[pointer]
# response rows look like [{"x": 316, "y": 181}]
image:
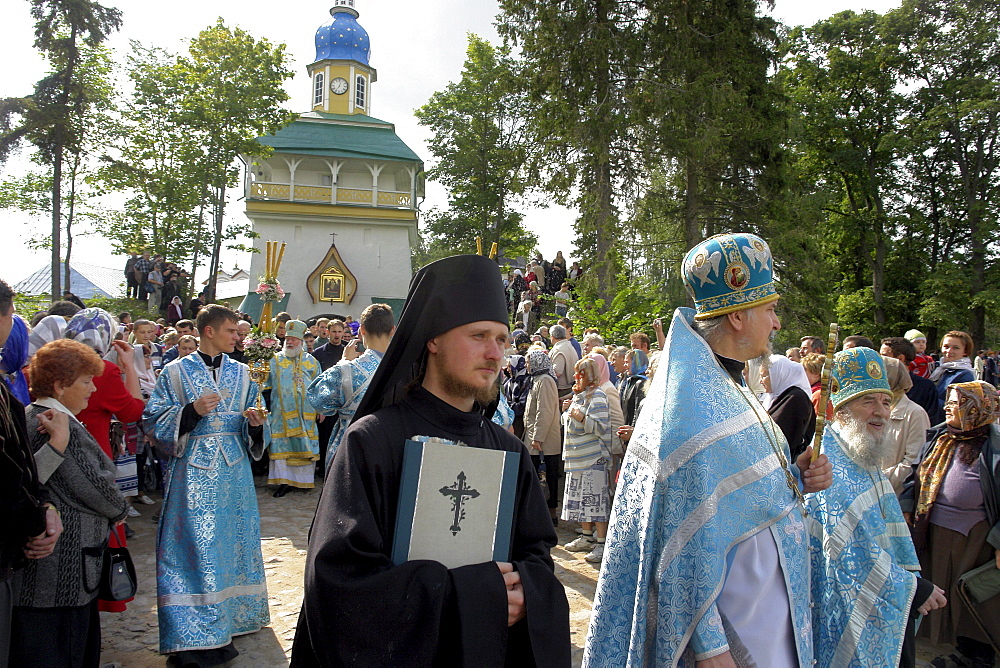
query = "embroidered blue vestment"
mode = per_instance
[
  {"x": 210, "y": 572},
  {"x": 703, "y": 472},
  {"x": 863, "y": 565}
]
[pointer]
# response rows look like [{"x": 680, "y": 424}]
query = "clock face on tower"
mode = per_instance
[{"x": 339, "y": 85}]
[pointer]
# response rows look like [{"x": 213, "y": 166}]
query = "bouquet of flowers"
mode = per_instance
[
  {"x": 269, "y": 289},
  {"x": 260, "y": 346}
]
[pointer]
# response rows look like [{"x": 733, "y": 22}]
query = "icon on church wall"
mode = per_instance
[
  {"x": 332, "y": 281},
  {"x": 332, "y": 286}
]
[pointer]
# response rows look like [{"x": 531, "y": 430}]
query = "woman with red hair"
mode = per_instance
[
  {"x": 56, "y": 620},
  {"x": 114, "y": 398}
]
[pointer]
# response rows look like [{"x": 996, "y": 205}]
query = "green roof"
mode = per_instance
[{"x": 341, "y": 136}]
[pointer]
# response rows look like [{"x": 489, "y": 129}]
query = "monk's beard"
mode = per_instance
[
  {"x": 865, "y": 448},
  {"x": 291, "y": 351},
  {"x": 459, "y": 388}
]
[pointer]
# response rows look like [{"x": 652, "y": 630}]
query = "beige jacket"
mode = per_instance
[
  {"x": 905, "y": 435},
  {"x": 564, "y": 359},
  {"x": 541, "y": 416}
]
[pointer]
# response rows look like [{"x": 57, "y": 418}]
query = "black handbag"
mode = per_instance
[
  {"x": 118, "y": 581},
  {"x": 543, "y": 477}
]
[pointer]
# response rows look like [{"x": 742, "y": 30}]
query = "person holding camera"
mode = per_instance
[{"x": 338, "y": 391}]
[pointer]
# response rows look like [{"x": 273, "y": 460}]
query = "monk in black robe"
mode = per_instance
[{"x": 435, "y": 380}]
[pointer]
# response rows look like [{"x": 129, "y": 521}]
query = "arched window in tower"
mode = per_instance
[
  {"x": 359, "y": 91},
  {"x": 318, "y": 88}
]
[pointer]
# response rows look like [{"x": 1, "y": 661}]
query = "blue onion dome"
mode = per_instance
[{"x": 342, "y": 37}]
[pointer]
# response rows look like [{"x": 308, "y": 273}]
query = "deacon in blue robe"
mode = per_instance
[
  {"x": 338, "y": 391},
  {"x": 210, "y": 571},
  {"x": 864, "y": 584}
]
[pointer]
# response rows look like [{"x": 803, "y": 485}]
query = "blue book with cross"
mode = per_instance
[{"x": 456, "y": 503}]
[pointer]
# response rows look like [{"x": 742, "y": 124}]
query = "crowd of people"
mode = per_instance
[{"x": 740, "y": 511}]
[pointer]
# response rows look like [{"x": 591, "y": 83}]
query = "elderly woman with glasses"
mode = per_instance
[
  {"x": 56, "y": 620},
  {"x": 952, "y": 498},
  {"x": 586, "y": 460}
]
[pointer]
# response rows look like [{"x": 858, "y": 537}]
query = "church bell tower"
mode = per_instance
[
  {"x": 339, "y": 187},
  {"x": 341, "y": 76}
]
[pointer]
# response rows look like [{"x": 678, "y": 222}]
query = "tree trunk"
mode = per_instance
[
  {"x": 605, "y": 236},
  {"x": 220, "y": 207},
  {"x": 602, "y": 211},
  {"x": 69, "y": 220},
  {"x": 57, "y": 160},
  {"x": 878, "y": 277},
  {"x": 197, "y": 238},
  {"x": 692, "y": 205}
]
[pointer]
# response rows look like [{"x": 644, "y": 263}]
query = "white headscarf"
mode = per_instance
[
  {"x": 784, "y": 374},
  {"x": 48, "y": 329}
]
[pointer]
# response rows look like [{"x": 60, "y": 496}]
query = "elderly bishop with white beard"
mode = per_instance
[
  {"x": 294, "y": 439},
  {"x": 866, "y": 593}
]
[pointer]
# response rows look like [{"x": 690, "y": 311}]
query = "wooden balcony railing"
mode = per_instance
[{"x": 324, "y": 194}]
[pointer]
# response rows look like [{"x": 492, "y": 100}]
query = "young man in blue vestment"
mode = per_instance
[
  {"x": 707, "y": 561},
  {"x": 210, "y": 572},
  {"x": 337, "y": 392},
  {"x": 866, "y": 593}
]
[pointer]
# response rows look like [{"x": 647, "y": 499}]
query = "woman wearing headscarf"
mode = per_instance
[
  {"x": 541, "y": 422},
  {"x": 906, "y": 431},
  {"x": 516, "y": 385},
  {"x": 56, "y": 621},
  {"x": 118, "y": 392},
  {"x": 49, "y": 329},
  {"x": 13, "y": 357},
  {"x": 787, "y": 399},
  {"x": 631, "y": 386},
  {"x": 112, "y": 398},
  {"x": 175, "y": 311},
  {"x": 517, "y": 286},
  {"x": 953, "y": 494},
  {"x": 616, "y": 415},
  {"x": 586, "y": 456}
]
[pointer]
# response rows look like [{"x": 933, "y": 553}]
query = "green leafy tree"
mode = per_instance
[
  {"x": 150, "y": 159},
  {"x": 843, "y": 77},
  {"x": 50, "y": 118},
  {"x": 230, "y": 94},
  {"x": 953, "y": 68},
  {"x": 658, "y": 112},
  {"x": 579, "y": 72},
  {"x": 480, "y": 143}
]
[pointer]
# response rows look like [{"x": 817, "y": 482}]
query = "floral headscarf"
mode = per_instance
[
  {"x": 539, "y": 362},
  {"x": 978, "y": 404},
  {"x": 13, "y": 357},
  {"x": 521, "y": 341},
  {"x": 94, "y": 327}
]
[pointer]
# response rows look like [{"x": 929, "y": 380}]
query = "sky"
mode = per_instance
[{"x": 418, "y": 47}]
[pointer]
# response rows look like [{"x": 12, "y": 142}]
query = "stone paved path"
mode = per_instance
[{"x": 131, "y": 638}]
